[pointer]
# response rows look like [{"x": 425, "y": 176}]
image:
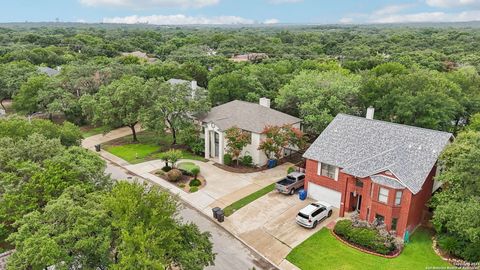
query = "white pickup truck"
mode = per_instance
[
  {"x": 292, "y": 182},
  {"x": 313, "y": 214}
]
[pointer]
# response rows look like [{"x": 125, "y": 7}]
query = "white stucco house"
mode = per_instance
[{"x": 250, "y": 117}]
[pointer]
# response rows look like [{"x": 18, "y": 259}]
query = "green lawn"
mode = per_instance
[
  {"x": 246, "y": 200},
  {"x": 324, "y": 251},
  {"x": 149, "y": 147}
]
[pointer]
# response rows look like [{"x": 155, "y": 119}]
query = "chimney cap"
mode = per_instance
[{"x": 370, "y": 112}]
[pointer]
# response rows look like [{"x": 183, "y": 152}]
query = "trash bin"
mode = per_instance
[
  {"x": 220, "y": 215},
  {"x": 215, "y": 211},
  {"x": 97, "y": 147},
  {"x": 302, "y": 194},
  {"x": 272, "y": 163}
]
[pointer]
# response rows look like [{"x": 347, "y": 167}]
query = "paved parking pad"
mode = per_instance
[{"x": 268, "y": 224}]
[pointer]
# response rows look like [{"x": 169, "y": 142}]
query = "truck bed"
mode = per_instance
[{"x": 285, "y": 182}]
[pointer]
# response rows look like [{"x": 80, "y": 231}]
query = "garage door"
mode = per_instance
[{"x": 320, "y": 193}]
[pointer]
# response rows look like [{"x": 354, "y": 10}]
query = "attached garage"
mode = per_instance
[{"x": 320, "y": 193}]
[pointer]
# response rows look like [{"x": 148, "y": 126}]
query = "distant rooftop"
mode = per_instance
[{"x": 49, "y": 71}]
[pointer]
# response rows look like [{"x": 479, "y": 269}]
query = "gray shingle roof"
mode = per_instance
[
  {"x": 364, "y": 147},
  {"x": 48, "y": 71},
  {"x": 247, "y": 116}
]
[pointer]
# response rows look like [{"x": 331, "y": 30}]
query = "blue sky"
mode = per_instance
[{"x": 240, "y": 11}]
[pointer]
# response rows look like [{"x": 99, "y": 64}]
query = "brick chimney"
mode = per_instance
[
  {"x": 370, "y": 113},
  {"x": 265, "y": 102}
]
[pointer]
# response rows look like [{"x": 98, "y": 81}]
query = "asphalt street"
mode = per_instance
[{"x": 231, "y": 253}]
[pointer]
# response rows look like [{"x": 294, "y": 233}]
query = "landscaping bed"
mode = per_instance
[
  {"x": 323, "y": 251},
  {"x": 150, "y": 146},
  {"x": 229, "y": 210},
  {"x": 185, "y": 176}
]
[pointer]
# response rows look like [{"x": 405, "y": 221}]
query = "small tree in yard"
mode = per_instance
[
  {"x": 195, "y": 171},
  {"x": 278, "y": 138},
  {"x": 237, "y": 139},
  {"x": 172, "y": 156}
]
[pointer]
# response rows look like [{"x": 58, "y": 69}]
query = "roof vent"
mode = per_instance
[
  {"x": 265, "y": 102},
  {"x": 370, "y": 112}
]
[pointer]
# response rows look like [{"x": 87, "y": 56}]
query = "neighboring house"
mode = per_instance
[
  {"x": 140, "y": 55},
  {"x": 250, "y": 117},
  {"x": 252, "y": 57},
  {"x": 192, "y": 84},
  {"x": 49, "y": 71},
  {"x": 380, "y": 169}
]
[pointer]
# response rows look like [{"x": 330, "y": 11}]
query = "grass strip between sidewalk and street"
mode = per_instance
[{"x": 248, "y": 199}]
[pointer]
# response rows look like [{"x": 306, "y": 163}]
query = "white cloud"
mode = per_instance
[
  {"x": 391, "y": 9},
  {"x": 452, "y": 3},
  {"x": 284, "y": 1},
  {"x": 346, "y": 20},
  {"x": 271, "y": 21},
  {"x": 439, "y": 16},
  {"x": 149, "y": 3},
  {"x": 178, "y": 19}
]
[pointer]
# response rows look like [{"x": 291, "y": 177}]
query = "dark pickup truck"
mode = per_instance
[{"x": 292, "y": 182}]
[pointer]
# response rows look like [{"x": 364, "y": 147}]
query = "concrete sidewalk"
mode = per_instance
[
  {"x": 91, "y": 141},
  {"x": 222, "y": 189}
]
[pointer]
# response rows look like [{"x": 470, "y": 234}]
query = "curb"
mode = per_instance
[{"x": 198, "y": 210}]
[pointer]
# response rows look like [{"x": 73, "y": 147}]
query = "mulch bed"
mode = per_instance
[
  {"x": 391, "y": 255},
  {"x": 183, "y": 181}
]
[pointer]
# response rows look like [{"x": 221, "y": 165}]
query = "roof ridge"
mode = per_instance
[
  {"x": 396, "y": 124},
  {"x": 374, "y": 156}
]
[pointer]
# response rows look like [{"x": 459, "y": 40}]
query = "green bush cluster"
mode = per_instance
[
  {"x": 364, "y": 236},
  {"x": 290, "y": 169},
  {"x": 195, "y": 183},
  {"x": 460, "y": 248},
  {"x": 227, "y": 159},
  {"x": 166, "y": 168},
  {"x": 193, "y": 189},
  {"x": 247, "y": 160}
]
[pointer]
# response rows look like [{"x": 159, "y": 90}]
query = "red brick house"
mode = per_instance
[{"x": 381, "y": 170}]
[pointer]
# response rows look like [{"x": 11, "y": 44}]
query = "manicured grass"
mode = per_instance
[
  {"x": 149, "y": 147},
  {"x": 324, "y": 251},
  {"x": 90, "y": 131},
  {"x": 186, "y": 166},
  {"x": 246, "y": 200}
]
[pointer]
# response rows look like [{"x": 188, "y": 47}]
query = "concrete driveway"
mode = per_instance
[{"x": 268, "y": 224}]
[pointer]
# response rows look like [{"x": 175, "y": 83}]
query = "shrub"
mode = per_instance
[
  {"x": 182, "y": 185},
  {"x": 247, "y": 161},
  {"x": 195, "y": 183},
  {"x": 166, "y": 168},
  {"x": 448, "y": 243},
  {"x": 227, "y": 159},
  {"x": 367, "y": 237},
  {"x": 174, "y": 175},
  {"x": 193, "y": 189},
  {"x": 197, "y": 147},
  {"x": 290, "y": 169}
]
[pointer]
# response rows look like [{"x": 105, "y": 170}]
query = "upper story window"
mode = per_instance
[
  {"x": 398, "y": 197},
  {"x": 329, "y": 171},
  {"x": 358, "y": 182},
  {"x": 383, "y": 195}
]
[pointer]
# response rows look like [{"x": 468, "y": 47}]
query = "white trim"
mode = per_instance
[
  {"x": 319, "y": 168},
  {"x": 336, "y": 173}
]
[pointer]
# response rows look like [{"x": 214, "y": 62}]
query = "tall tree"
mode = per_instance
[
  {"x": 318, "y": 97},
  {"x": 174, "y": 107},
  {"x": 120, "y": 103},
  {"x": 12, "y": 76},
  {"x": 457, "y": 207}
]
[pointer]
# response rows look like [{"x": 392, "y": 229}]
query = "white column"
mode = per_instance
[
  {"x": 207, "y": 143},
  {"x": 220, "y": 147}
]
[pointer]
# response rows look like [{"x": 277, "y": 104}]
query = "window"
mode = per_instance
[
  {"x": 358, "y": 182},
  {"x": 317, "y": 212},
  {"x": 398, "y": 197},
  {"x": 327, "y": 170},
  {"x": 383, "y": 195},
  {"x": 379, "y": 218},
  {"x": 394, "y": 224}
]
